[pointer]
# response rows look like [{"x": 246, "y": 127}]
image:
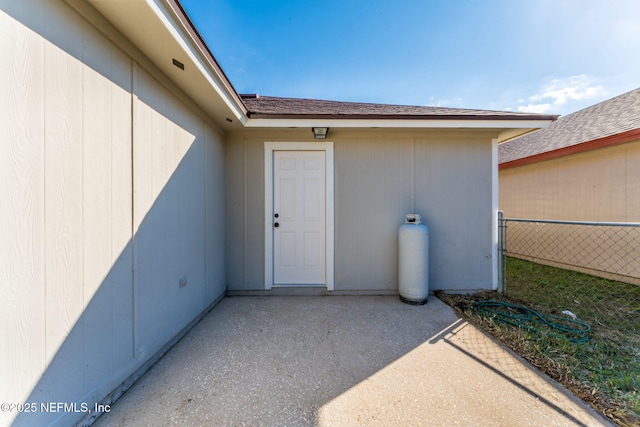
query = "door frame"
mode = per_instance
[{"x": 269, "y": 148}]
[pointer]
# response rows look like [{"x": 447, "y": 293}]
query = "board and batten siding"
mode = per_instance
[
  {"x": 112, "y": 190},
  {"x": 380, "y": 176}
]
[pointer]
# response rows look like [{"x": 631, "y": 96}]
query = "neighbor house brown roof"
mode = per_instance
[
  {"x": 610, "y": 122},
  {"x": 275, "y": 107}
]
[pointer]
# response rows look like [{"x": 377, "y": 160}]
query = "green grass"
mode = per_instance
[
  {"x": 604, "y": 371},
  {"x": 607, "y": 304}
]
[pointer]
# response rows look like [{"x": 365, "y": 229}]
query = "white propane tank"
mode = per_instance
[{"x": 413, "y": 261}]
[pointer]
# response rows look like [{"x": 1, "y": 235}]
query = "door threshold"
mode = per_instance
[
  {"x": 298, "y": 286},
  {"x": 299, "y": 290}
]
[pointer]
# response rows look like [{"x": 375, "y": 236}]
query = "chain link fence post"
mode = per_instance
[{"x": 501, "y": 254}]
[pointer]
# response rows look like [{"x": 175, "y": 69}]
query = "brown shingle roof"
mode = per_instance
[
  {"x": 615, "y": 116},
  {"x": 276, "y": 107}
]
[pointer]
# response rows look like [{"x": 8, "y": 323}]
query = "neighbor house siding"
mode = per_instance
[
  {"x": 379, "y": 177},
  {"x": 597, "y": 185},
  {"x": 80, "y": 124}
]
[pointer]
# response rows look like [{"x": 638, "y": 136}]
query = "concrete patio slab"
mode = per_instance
[{"x": 342, "y": 361}]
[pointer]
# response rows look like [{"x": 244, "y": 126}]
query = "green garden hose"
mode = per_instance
[{"x": 529, "y": 319}]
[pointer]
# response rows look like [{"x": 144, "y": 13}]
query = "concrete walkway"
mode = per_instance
[{"x": 342, "y": 361}]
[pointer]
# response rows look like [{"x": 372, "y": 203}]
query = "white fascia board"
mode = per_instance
[
  {"x": 192, "y": 51},
  {"x": 402, "y": 123}
]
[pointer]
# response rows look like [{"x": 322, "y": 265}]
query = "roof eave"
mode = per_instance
[
  {"x": 467, "y": 117},
  {"x": 506, "y": 127},
  {"x": 607, "y": 141},
  {"x": 197, "y": 39},
  {"x": 201, "y": 77},
  {"x": 176, "y": 41}
]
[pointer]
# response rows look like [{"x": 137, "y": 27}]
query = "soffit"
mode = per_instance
[{"x": 158, "y": 29}]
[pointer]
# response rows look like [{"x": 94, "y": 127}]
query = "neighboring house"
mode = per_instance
[
  {"x": 138, "y": 189},
  {"x": 583, "y": 167}
]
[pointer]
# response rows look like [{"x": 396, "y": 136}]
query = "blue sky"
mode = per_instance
[{"x": 542, "y": 56}]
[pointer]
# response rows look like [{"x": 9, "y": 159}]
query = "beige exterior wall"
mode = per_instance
[
  {"x": 103, "y": 171},
  {"x": 612, "y": 252},
  {"x": 601, "y": 186},
  {"x": 598, "y": 185},
  {"x": 380, "y": 175}
]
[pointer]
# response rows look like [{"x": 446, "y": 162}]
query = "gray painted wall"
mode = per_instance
[
  {"x": 113, "y": 190},
  {"x": 115, "y": 186},
  {"x": 380, "y": 176}
]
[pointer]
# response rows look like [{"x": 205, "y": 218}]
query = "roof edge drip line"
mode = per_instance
[
  {"x": 254, "y": 115},
  {"x": 607, "y": 141},
  {"x": 415, "y": 123}
]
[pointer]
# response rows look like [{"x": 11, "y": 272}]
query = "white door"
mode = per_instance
[{"x": 299, "y": 218}]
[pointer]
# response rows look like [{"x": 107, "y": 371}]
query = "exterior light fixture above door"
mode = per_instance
[{"x": 320, "y": 133}]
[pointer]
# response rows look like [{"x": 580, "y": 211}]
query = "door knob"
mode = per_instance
[
  {"x": 276, "y": 215},
  {"x": 276, "y": 225}
]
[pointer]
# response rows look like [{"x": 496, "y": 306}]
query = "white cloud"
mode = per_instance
[
  {"x": 559, "y": 92},
  {"x": 444, "y": 102},
  {"x": 535, "y": 108}
]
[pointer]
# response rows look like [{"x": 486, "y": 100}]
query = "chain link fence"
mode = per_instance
[{"x": 588, "y": 269}]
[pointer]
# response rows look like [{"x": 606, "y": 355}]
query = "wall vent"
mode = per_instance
[{"x": 178, "y": 64}]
